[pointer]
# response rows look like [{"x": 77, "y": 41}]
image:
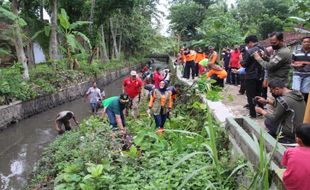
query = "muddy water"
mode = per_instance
[{"x": 22, "y": 144}]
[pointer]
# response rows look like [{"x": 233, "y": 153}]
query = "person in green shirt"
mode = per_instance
[
  {"x": 107, "y": 102},
  {"x": 114, "y": 110}
]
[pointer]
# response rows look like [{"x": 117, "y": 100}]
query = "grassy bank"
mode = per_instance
[
  {"x": 193, "y": 153},
  {"x": 46, "y": 79}
]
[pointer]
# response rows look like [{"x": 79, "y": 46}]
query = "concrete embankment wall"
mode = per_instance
[{"x": 20, "y": 110}]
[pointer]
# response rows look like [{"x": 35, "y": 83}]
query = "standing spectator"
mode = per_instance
[
  {"x": 133, "y": 86},
  {"x": 190, "y": 56},
  {"x": 157, "y": 77},
  {"x": 301, "y": 65},
  {"x": 253, "y": 70},
  {"x": 296, "y": 161},
  {"x": 279, "y": 64},
  {"x": 199, "y": 56},
  {"x": 212, "y": 55},
  {"x": 226, "y": 60},
  {"x": 94, "y": 95},
  {"x": 234, "y": 63},
  {"x": 160, "y": 105}
]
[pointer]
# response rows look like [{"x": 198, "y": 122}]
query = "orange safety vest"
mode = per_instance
[
  {"x": 199, "y": 57},
  {"x": 191, "y": 56}
]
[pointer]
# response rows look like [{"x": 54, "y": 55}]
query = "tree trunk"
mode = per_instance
[
  {"x": 53, "y": 41},
  {"x": 30, "y": 54},
  {"x": 119, "y": 44},
  {"x": 18, "y": 41},
  {"x": 113, "y": 32},
  {"x": 105, "y": 57},
  {"x": 91, "y": 18}
]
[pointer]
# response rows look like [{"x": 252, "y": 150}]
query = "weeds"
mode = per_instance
[{"x": 186, "y": 156}]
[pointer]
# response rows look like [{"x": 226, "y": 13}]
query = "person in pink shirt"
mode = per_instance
[
  {"x": 157, "y": 77},
  {"x": 297, "y": 161}
]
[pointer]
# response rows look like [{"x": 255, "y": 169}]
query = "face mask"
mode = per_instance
[
  {"x": 276, "y": 47},
  {"x": 274, "y": 95}
]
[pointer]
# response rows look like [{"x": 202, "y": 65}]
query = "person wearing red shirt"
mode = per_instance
[
  {"x": 133, "y": 86},
  {"x": 234, "y": 63},
  {"x": 296, "y": 161},
  {"x": 157, "y": 77}
]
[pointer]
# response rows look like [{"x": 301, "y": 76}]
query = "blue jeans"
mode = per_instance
[
  {"x": 301, "y": 82},
  {"x": 112, "y": 119},
  {"x": 93, "y": 108},
  {"x": 160, "y": 120}
]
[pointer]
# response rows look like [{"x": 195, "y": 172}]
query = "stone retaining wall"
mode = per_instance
[{"x": 19, "y": 110}]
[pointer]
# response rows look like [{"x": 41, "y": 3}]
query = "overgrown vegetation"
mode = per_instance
[
  {"x": 45, "y": 79},
  {"x": 193, "y": 153}
]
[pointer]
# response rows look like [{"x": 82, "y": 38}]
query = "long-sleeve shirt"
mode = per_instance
[{"x": 279, "y": 65}]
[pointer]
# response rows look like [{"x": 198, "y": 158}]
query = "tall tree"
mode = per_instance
[
  {"x": 53, "y": 40},
  {"x": 19, "y": 46}
]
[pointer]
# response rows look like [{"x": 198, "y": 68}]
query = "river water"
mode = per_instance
[{"x": 21, "y": 144}]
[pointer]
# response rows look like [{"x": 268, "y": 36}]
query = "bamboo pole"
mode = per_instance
[{"x": 307, "y": 112}]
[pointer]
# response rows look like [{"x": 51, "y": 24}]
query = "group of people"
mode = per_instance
[
  {"x": 256, "y": 68},
  {"x": 196, "y": 63},
  {"x": 148, "y": 84}
]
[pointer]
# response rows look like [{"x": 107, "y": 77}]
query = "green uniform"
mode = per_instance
[
  {"x": 107, "y": 102},
  {"x": 279, "y": 65},
  {"x": 291, "y": 116}
]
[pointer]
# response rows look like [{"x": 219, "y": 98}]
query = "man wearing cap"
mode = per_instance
[
  {"x": 114, "y": 111},
  {"x": 132, "y": 86}
]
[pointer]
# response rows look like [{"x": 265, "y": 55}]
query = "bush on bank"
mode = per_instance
[
  {"x": 46, "y": 79},
  {"x": 193, "y": 153}
]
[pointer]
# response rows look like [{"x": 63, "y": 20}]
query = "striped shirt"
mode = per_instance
[{"x": 301, "y": 55}]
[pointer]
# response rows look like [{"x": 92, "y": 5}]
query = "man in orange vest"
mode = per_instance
[
  {"x": 199, "y": 56},
  {"x": 190, "y": 56},
  {"x": 212, "y": 55}
]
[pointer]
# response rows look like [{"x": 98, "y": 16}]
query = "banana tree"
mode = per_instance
[{"x": 72, "y": 38}]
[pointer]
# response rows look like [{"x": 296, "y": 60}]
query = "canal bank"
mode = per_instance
[{"x": 19, "y": 110}]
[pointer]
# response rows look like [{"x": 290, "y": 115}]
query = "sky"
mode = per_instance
[{"x": 164, "y": 7}]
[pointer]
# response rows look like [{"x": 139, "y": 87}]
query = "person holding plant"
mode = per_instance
[
  {"x": 296, "y": 161},
  {"x": 114, "y": 111},
  {"x": 160, "y": 105}
]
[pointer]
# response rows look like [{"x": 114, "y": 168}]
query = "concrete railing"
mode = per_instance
[{"x": 19, "y": 110}]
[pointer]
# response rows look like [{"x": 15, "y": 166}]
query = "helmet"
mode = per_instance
[{"x": 123, "y": 98}]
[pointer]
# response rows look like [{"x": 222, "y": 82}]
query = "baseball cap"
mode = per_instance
[
  {"x": 133, "y": 73},
  {"x": 124, "y": 98}
]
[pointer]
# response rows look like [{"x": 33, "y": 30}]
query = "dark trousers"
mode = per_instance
[
  {"x": 189, "y": 69},
  {"x": 228, "y": 79},
  {"x": 234, "y": 77},
  {"x": 242, "y": 84},
  {"x": 253, "y": 88},
  {"x": 219, "y": 82},
  {"x": 160, "y": 120},
  {"x": 273, "y": 130},
  {"x": 197, "y": 69}
]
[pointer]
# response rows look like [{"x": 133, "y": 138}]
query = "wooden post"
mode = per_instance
[{"x": 307, "y": 111}]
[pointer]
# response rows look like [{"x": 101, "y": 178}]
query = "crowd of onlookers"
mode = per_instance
[{"x": 255, "y": 68}]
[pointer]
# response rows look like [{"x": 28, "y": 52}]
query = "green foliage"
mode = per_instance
[
  {"x": 187, "y": 156},
  {"x": 185, "y": 18},
  {"x": 205, "y": 86}
]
